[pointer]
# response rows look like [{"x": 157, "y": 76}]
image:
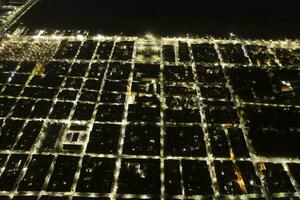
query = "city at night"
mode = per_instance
[{"x": 162, "y": 100}]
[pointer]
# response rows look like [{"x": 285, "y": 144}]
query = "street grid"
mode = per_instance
[{"x": 90, "y": 116}]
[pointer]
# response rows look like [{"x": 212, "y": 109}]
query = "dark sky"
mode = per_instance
[{"x": 246, "y": 18}]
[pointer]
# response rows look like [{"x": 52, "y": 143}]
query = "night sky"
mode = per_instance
[{"x": 246, "y": 18}]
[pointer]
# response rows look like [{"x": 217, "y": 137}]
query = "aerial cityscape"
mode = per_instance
[{"x": 89, "y": 116}]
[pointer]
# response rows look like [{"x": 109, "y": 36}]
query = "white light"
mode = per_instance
[
  {"x": 150, "y": 36},
  {"x": 286, "y": 83},
  {"x": 36, "y": 37},
  {"x": 99, "y": 37},
  {"x": 41, "y": 32},
  {"x": 201, "y": 98},
  {"x": 56, "y": 37},
  {"x": 80, "y": 37}
]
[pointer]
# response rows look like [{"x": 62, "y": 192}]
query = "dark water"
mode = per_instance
[{"x": 248, "y": 18}]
